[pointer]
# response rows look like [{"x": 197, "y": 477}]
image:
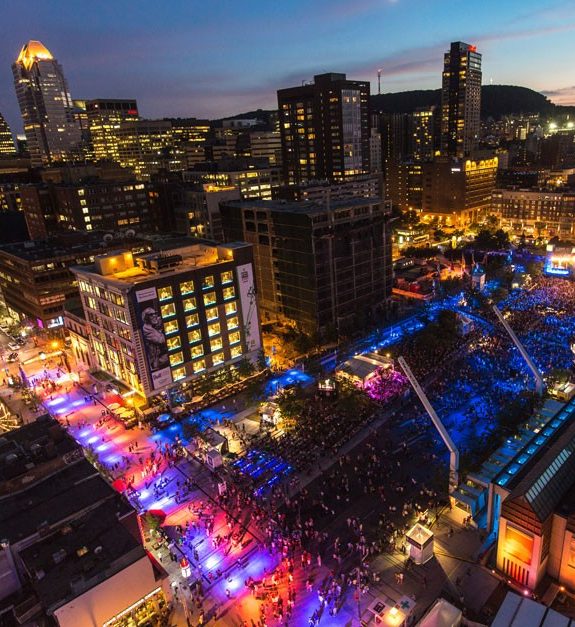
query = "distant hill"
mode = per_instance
[{"x": 496, "y": 100}]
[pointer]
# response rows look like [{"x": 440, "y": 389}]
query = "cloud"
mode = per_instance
[{"x": 562, "y": 95}]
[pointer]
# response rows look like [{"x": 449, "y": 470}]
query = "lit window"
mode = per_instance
[
  {"x": 216, "y": 344},
  {"x": 192, "y": 320},
  {"x": 217, "y": 358},
  {"x": 194, "y": 336},
  {"x": 165, "y": 293},
  {"x": 171, "y": 327},
  {"x": 208, "y": 282},
  {"x": 236, "y": 351},
  {"x": 167, "y": 311},
  {"x": 229, "y": 292},
  {"x": 212, "y": 314},
  {"x": 187, "y": 287},
  {"x": 199, "y": 365},
  {"x": 233, "y": 323},
  {"x": 231, "y": 308},
  {"x": 178, "y": 373},
  {"x": 213, "y": 329},
  {"x": 209, "y": 299},
  {"x": 234, "y": 337},
  {"x": 227, "y": 277},
  {"x": 173, "y": 343},
  {"x": 176, "y": 358},
  {"x": 197, "y": 351},
  {"x": 190, "y": 304}
]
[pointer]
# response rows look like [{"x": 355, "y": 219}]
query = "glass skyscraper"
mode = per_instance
[{"x": 52, "y": 130}]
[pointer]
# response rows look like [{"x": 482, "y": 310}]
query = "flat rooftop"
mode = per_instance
[
  {"x": 54, "y": 498},
  {"x": 81, "y": 554},
  {"x": 306, "y": 207}
]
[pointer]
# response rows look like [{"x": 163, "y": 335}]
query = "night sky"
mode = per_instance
[{"x": 221, "y": 57}]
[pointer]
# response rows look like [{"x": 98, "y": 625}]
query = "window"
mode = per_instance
[
  {"x": 171, "y": 327},
  {"x": 199, "y": 365},
  {"x": 197, "y": 351},
  {"x": 233, "y": 323},
  {"x": 212, "y": 313},
  {"x": 167, "y": 311},
  {"x": 216, "y": 345},
  {"x": 174, "y": 342},
  {"x": 213, "y": 329},
  {"x": 176, "y": 358},
  {"x": 227, "y": 277},
  {"x": 209, "y": 299},
  {"x": 208, "y": 282},
  {"x": 194, "y": 336},
  {"x": 234, "y": 337},
  {"x": 190, "y": 304},
  {"x": 231, "y": 308},
  {"x": 187, "y": 287},
  {"x": 236, "y": 351},
  {"x": 217, "y": 358},
  {"x": 192, "y": 320},
  {"x": 178, "y": 373},
  {"x": 165, "y": 293},
  {"x": 229, "y": 292}
]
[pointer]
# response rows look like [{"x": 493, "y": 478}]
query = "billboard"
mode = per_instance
[
  {"x": 249, "y": 306},
  {"x": 153, "y": 337}
]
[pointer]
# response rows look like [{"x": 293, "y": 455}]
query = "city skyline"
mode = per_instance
[{"x": 225, "y": 60}]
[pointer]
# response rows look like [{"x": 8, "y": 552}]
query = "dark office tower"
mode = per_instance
[
  {"x": 460, "y": 100},
  {"x": 325, "y": 129},
  {"x": 51, "y": 127},
  {"x": 7, "y": 146}
]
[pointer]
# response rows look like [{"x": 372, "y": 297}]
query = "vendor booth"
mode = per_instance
[
  {"x": 420, "y": 542},
  {"x": 269, "y": 413},
  {"x": 360, "y": 369}
]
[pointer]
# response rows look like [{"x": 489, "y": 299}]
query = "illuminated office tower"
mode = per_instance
[
  {"x": 51, "y": 127},
  {"x": 7, "y": 146},
  {"x": 104, "y": 120},
  {"x": 460, "y": 100},
  {"x": 325, "y": 129}
]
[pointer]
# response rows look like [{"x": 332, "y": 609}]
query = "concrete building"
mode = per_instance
[
  {"x": 404, "y": 185},
  {"x": 458, "y": 192},
  {"x": 536, "y": 212},
  {"x": 324, "y": 128},
  {"x": 161, "y": 320},
  {"x": 52, "y": 131},
  {"x": 323, "y": 267},
  {"x": 267, "y": 144},
  {"x": 104, "y": 118}
]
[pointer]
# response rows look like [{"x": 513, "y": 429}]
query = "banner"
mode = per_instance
[
  {"x": 249, "y": 306},
  {"x": 153, "y": 337}
]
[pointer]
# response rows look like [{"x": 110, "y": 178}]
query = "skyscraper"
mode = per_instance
[
  {"x": 104, "y": 120},
  {"x": 52, "y": 130},
  {"x": 460, "y": 100},
  {"x": 325, "y": 129},
  {"x": 7, "y": 146}
]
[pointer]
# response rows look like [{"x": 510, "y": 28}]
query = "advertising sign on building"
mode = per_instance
[
  {"x": 249, "y": 306},
  {"x": 153, "y": 337}
]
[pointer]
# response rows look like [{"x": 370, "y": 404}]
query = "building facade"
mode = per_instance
[
  {"x": 164, "y": 319},
  {"x": 7, "y": 145},
  {"x": 52, "y": 130},
  {"x": 321, "y": 267},
  {"x": 460, "y": 100},
  {"x": 104, "y": 118},
  {"x": 325, "y": 129},
  {"x": 535, "y": 212}
]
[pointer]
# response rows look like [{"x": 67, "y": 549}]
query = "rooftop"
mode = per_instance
[
  {"x": 81, "y": 554},
  {"x": 305, "y": 207},
  {"x": 31, "y": 51}
]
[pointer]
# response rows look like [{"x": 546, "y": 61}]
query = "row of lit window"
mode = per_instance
[
  {"x": 169, "y": 311},
  {"x": 187, "y": 287},
  {"x": 198, "y": 366}
]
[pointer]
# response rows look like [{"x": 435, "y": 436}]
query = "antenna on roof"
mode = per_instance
[{"x": 379, "y": 82}]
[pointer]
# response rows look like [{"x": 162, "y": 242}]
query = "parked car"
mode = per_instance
[
  {"x": 13, "y": 346},
  {"x": 12, "y": 357}
]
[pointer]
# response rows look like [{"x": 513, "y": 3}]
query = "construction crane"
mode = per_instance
[
  {"x": 539, "y": 383},
  {"x": 453, "y": 451}
]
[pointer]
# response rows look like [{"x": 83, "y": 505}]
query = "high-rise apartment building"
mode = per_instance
[
  {"x": 52, "y": 129},
  {"x": 7, "y": 146},
  {"x": 460, "y": 100},
  {"x": 325, "y": 129}
]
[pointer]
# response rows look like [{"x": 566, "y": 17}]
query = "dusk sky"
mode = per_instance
[{"x": 221, "y": 57}]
